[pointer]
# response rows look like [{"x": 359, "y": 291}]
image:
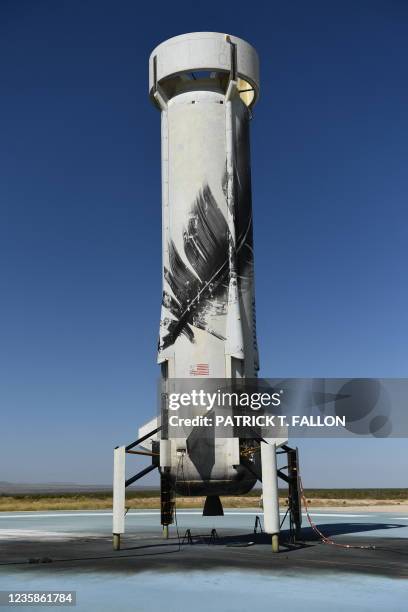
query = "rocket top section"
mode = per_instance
[{"x": 173, "y": 64}]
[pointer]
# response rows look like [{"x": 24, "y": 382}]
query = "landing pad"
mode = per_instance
[{"x": 81, "y": 541}]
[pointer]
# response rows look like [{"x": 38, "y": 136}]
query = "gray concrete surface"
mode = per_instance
[{"x": 73, "y": 550}]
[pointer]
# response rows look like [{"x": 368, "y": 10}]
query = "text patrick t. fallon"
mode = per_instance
[{"x": 257, "y": 420}]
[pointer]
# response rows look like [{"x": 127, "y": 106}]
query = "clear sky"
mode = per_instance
[{"x": 80, "y": 203}]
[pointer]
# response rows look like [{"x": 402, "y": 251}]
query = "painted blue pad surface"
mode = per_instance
[{"x": 100, "y": 522}]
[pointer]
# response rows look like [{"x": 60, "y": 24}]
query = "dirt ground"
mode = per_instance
[{"x": 14, "y": 504}]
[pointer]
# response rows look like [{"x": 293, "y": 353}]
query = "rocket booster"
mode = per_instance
[{"x": 205, "y": 85}]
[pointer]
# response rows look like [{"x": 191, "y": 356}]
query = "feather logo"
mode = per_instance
[{"x": 195, "y": 289}]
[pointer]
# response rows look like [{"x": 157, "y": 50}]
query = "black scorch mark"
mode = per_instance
[
  {"x": 201, "y": 287},
  {"x": 195, "y": 290}
]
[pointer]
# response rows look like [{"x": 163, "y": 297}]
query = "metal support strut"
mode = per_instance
[
  {"x": 294, "y": 492},
  {"x": 120, "y": 483}
]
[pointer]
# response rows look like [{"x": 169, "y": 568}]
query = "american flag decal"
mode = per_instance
[{"x": 200, "y": 369}]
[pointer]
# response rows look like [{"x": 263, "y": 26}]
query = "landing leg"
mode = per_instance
[
  {"x": 118, "y": 526},
  {"x": 166, "y": 503},
  {"x": 270, "y": 492},
  {"x": 116, "y": 541},
  {"x": 295, "y": 499}
]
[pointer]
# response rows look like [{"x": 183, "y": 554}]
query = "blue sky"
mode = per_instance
[{"x": 80, "y": 204}]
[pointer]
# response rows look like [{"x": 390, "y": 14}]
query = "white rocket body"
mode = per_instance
[{"x": 205, "y": 85}]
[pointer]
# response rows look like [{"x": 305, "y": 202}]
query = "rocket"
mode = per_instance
[{"x": 205, "y": 86}]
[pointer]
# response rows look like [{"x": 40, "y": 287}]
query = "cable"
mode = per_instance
[
  {"x": 324, "y": 539},
  {"x": 185, "y": 482},
  {"x": 247, "y": 452}
]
